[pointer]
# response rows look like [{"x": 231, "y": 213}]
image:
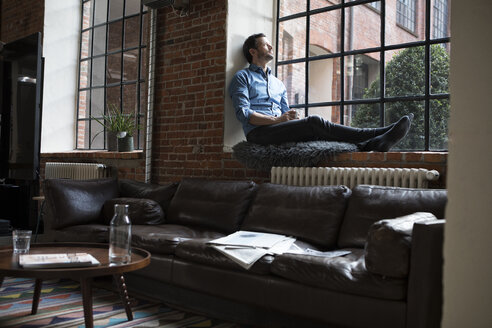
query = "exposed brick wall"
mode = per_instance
[
  {"x": 189, "y": 105},
  {"x": 20, "y": 18},
  {"x": 190, "y": 90}
]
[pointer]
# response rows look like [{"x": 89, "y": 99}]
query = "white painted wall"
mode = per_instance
[
  {"x": 60, "y": 50},
  {"x": 468, "y": 234},
  {"x": 243, "y": 19}
]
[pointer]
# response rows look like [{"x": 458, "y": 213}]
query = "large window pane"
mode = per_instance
[
  {"x": 440, "y": 19},
  {"x": 85, "y": 72},
  {"x": 115, "y": 36},
  {"x": 131, "y": 32},
  {"x": 362, "y": 115},
  {"x": 115, "y": 9},
  {"x": 83, "y": 134},
  {"x": 289, "y": 7},
  {"x": 101, "y": 12},
  {"x": 292, "y": 39},
  {"x": 294, "y": 78},
  {"x": 132, "y": 7},
  {"x": 317, "y": 4},
  {"x": 97, "y": 135},
  {"x": 415, "y": 138},
  {"x": 408, "y": 25},
  {"x": 362, "y": 28},
  {"x": 130, "y": 98},
  {"x": 84, "y": 98},
  {"x": 97, "y": 102},
  {"x": 362, "y": 76},
  {"x": 330, "y": 113},
  {"x": 99, "y": 40},
  {"x": 87, "y": 15},
  {"x": 405, "y": 73},
  {"x": 98, "y": 69},
  {"x": 439, "y": 69},
  {"x": 113, "y": 73},
  {"x": 113, "y": 98},
  {"x": 439, "y": 117},
  {"x": 324, "y": 33},
  {"x": 324, "y": 80},
  {"x": 130, "y": 65}
]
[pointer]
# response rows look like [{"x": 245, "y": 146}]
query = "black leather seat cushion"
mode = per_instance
[
  {"x": 199, "y": 251},
  {"x": 345, "y": 274},
  {"x": 369, "y": 204},
  {"x": 163, "y": 239},
  {"x": 217, "y": 205},
  {"x": 313, "y": 214}
]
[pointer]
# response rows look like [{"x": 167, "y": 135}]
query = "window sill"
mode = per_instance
[
  {"x": 95, "y": 154},
  {"x": 416, "y": 156}
]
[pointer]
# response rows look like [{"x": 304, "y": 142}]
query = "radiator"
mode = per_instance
[
  {"x": 352, "y": 176},
  {"x": 75, "y": 171}
]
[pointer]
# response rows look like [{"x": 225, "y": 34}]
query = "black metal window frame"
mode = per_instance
[
  {"x": 427, "y": 97},
  {"x": 406, "y": 13},
  {"x": 90, "y": 57}
]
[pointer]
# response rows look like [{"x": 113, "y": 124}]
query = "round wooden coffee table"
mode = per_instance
[{"x": 9, "y": 267}]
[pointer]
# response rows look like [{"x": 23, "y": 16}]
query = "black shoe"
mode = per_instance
[{"x": 387, "y": 140}]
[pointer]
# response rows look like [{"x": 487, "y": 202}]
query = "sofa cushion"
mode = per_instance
[
  {"x": 345, "y": 274},
  {"x": 76, "y": 202},
  {"x": 369, "y": 204},
  {"x": 162, "y": 194},
  {"x": 218, "y": 205},
  {"x": 198, "y": 251},
  {"x": 389, "y": 242},
  {"x": 140, "y": 210},
  {"x": 313, "y": 214},
  {"x": 163, "y": 239}
]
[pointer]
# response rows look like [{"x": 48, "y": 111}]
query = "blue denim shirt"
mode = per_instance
[{"x": 252, "y": 90}]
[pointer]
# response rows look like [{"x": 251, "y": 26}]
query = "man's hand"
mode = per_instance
[{"x": 261, "y": 119}]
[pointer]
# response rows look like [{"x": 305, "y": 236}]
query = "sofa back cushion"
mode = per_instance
[
  {"x": 369, "y": 204},
  {"x": 75, "y": 202},
  {"x": 140, "y": 210},
  {"x": 162, "y": 194},
  {"x": 213, "y": 204},
  {"x": 387, "y": 250},
  {"x": 312, "y": 214}
]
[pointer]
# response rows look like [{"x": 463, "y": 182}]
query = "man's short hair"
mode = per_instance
[{"x": 251, "y": 43}]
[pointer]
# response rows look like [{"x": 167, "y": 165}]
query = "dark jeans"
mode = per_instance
[{"x": 311, "y": 128}]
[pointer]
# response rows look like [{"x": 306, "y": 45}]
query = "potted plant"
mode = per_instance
[{"x": 119, "y": 129}]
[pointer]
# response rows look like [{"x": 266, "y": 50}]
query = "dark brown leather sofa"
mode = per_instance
[{"x": 391, "y": 278}]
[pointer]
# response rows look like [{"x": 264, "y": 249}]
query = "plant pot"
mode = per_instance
[
  {"x": 125, "y": 144},
  {"x": 111, "y": 141}
]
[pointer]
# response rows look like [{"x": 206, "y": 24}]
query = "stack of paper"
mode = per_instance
[
  {"x": 247, "y": 247},
  {"x": 57, "y": 260}
]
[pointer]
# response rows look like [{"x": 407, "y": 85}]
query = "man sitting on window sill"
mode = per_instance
[{"x": 260, "y": 103}]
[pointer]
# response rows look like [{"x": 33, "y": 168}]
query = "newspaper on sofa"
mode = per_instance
[{"x": 247, "y": 247}]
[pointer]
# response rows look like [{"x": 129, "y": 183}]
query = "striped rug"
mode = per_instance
[{"x": 61, "y": 306}]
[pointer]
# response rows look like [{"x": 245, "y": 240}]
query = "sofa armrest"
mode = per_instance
[{"x": 424, "y": 307}]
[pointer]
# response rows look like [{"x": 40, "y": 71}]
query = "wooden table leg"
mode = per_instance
[
  {"x": 121, "y": 285},
  {"x": 86, "y": 290},
  {"x": 37, "y": 294}
]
